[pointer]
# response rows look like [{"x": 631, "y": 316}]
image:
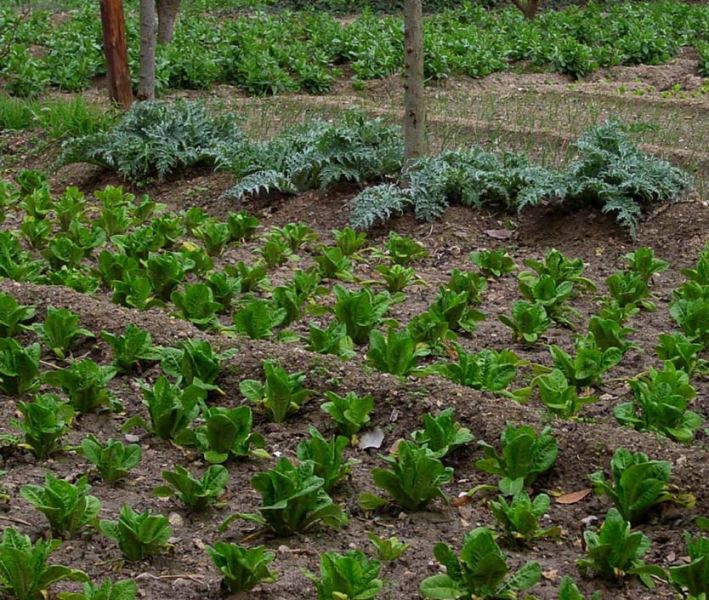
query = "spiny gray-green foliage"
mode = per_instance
[
  {"x": 319, "y": 154},
  {"x": 609, "y": 170},
  {"x": 612, "y": 171},
  {"x": 158, "y": 138},
  {"x": 472, "y": 177}
]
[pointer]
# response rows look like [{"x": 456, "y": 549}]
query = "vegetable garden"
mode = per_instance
[{"x": 299, "y": 366}]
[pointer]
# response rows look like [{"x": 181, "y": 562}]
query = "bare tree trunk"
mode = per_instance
[
  {"x": 148, "y": 42},
  {"x": 115, "y": 48},
  {"x": 167, "y": 17},
  {"x": 415, "y": 107},
  {"x": 529, "y": 10}
]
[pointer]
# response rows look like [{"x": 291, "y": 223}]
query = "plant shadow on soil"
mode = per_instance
[{"x": 677, "y": 233}]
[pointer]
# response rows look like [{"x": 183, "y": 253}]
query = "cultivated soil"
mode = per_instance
[{"x": 677, "y": 233}]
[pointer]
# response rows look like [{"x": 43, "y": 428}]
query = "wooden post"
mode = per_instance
[
  {"x": 115, "y": 47},
  {"x": 414, "y": 102}
]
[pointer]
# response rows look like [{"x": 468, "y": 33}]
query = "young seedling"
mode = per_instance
[
  {"x": 561, "y": 269},
  {"x": 350, "y": 575},
  {"x": 242, "y": 226},
  {"x": 442, "y": 434},
  {"x": 348, "y": 240},
  {"x": 113, "y": 460},
  {"x": 281, "y": 394},
  {"x": 397, "y": 353},
  {"x": 19, "y": 367},
  {"x": 493, "y": 263},
  {"x": 637, "y": 484},
  {"x": 614, "y": 552},
  {"x": 387, "y": 549},
  {"x": 84, "y": 382},
  {"x": 196, "y": 305},
  {"x": 331, "y": 340},
  {"x": 480, "y": 571},
  {"x": 644, "y": 263},
  {"x": 196, "y": 494},
  {"x": 131, "y": 348},
  {"x": 13, "y": 316},
  {"x": 351, "y": 412},
  {"x": 108, "y": 590},
  {"x": 361, "y": 311},
  {"x": 138, "y": 535},
  {"x": 257, "y": 318},
  {"x": 68, "y": 507},
  {"x": 692, "y": 579},
  {"x": 401, "y": 250},
  {"x": 293, "y": 499},
  {"x": 226, "y": 433},
  {"x": 242, "y": 568},
  {"x": 683, "y": 353},
  {"x": 660, "y": 404},
  {"x": 60, "y": 330},
  {"x": 519, "y": 519},
  {"x": 558, "y": 396},
  {"x": 24, "y": 572},
  {"x": 44, "y": 422},
  {"x": 527, "y": 320},
  {"x": 413, "y": 480},
  {"x": 195, "y": 362},
  {"x": 326, "y": 456},
  {"x": 568, "y": 590},
  {"x": 525, "y": 455}
]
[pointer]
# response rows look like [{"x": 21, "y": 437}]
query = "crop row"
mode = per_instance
[
  {"x": 156, "y": 139},
  {"x": 183, "y": 406},
  {"x": 272, "y": 54}
]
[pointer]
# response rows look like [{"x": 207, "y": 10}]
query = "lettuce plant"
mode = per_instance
[
  {"x": 644, "y": 263},
  {"x": 348, "y": 240},
  {"x": 275, "y": 251},
  {"x": 63, "y": 251},
  {"x": 402, "y": 249},
  {"x": 281, "y": 394},
  {"x": 637, "y": 484},
  {"x": 558, "y": 396},
  {"x": 682, "y": 352},
  {"x": 692, "y": 315},
  {"x": 296, "y": 235},
  {"x": 166, "y": 271},
  {"x": 331, "y": 340},
  {"x": 519, "y": 519},
  {"x": 194, "y": 362},
  {"x": 527, "y": 320},
  {"x": 68, "y": 507},
  {"x": 214, "y": 235},
  {"x": 396, "y": 277},
  {"x": 660, "y": 404},
  {"x": 488, "y": 370},
  {"x": 615, "y": 551},
  {"x": 469, "y": 282},
  {"x": 442, "y": 434},
  {"x": 15, "y": 263},
  {"x": 493, "y": 263},
  {"x": 108, "y": 590},
  {"x": 257, "y": 319},
  {"x": 480, "y": 571},
  {"x": 454, "y": 308},
  {"x": 13, "y": 315},
  {"x": 131, "y": 347},
  {"x": 242, "y": 568},
  {"x": 227, "y": 433},
  {"x": 553, "y": 296},
  {"x": 36, "y": 233},
  {"x": 387, "y": 549},
  {"x": 171, "y": 408},
  {"x": 568, "y": 590},
  {"x": 397, "y": 353},
  {"x": 44, "y": 422},
  {"x": 525, "y": 455},
  {"x": 251, "y": 277},
  {"x": 19, "y": 367},
  {"x": 333, "y": 264},
  {"x": 692, "y": 578},
  {"x": 561, "y": 269},
  {"x": 113, "y": 460},
  {"x": 196, "y": 304},
  {"x": 609, "y": 333},
  {"x": 629, "y": 290},
  {"x": 351, "y": 412},
  {"x": 196, "y": 494},
  {"x": 361, "y": 311},
  {"x": 84, "y": 382},
  {"x": 293, "y": 499},
  {"x": 242, "y": 226},
  {"x": 588, "y": 365},
  {"x": 138, "y": 535},
  {"x": 224, "y": 287},
  {"x": 350, "y": 575},
  {"x": 24, "y": 572},
  {"x": 413, "y": 480},
  {"x": 326, "y": 456},
  {"x": 60, "y": 330}
]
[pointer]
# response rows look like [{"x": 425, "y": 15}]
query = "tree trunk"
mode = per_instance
[
  {"x": 167, "y": 17},
  {"x": 148, "y": 41},
  {"x": 415, "y": 107},
  {"x": 115, "y": 48}
]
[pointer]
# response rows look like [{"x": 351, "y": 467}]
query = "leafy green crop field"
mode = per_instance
[{"x": 266, "y": 54}]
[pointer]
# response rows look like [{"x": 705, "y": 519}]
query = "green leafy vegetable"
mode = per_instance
[
  {"x": 60, "y": 330},
  {"x": 139, "y": 535},
  {"x": 397, "y": 353},
  {"x": 350, "y": 575},
  {"x": 196, "y": 494},
  {"x": 442, "y": 434},
  {"x": 495, "y": 263},
  {"x": 226, "y": 433},
  {"x": 84, "y": 382},
  {"x": 44, "y": 421},
  {"x": 527, "y": 320},
  {"x": 113, "y": 460},
  {"x": 19, "y": 367},
  {"x": 281, "y": 394},
  {"x": 130, "y": 348},
  {"x": 326, "y": 456},
  {"x": 242, "y": 568},
  {"x": 519, "y": 518}
]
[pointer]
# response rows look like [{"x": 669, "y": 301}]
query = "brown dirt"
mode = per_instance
[{"x": 586, "y": 445}]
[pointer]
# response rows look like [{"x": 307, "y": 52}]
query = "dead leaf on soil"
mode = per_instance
[
  {"x": 461, "y": 500},
  {"x": 371, "y": 439},
  {"x": 499, "y": 234},
  {"x": 551, "y": 574},
  {"x": 573, "y": 497}
]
